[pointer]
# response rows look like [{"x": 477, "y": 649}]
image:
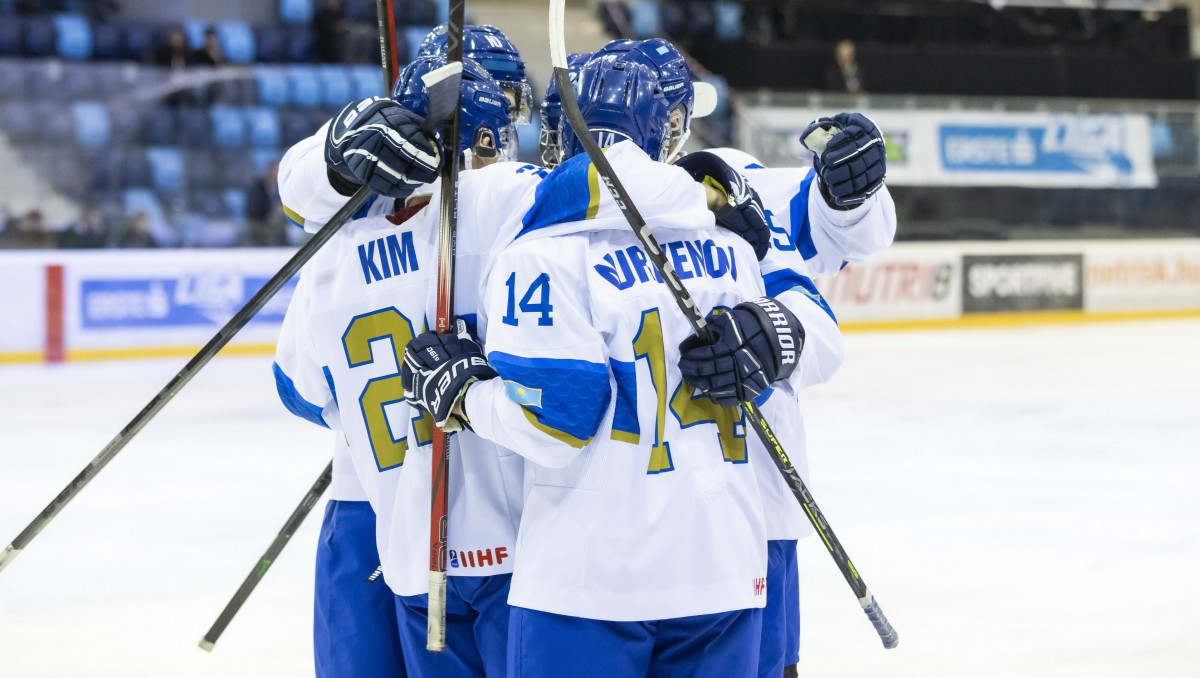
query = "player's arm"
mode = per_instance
[
  {"x": 851, "y": 215},
  {"x": 303, "y": 383},
  {"x": 374, "y": 142},
  {"x": 551, "y": 389}
]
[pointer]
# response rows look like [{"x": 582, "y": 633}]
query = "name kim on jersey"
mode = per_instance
[
  {"x": 385, "y": 257},
  {"x": 691, "y": 258}
]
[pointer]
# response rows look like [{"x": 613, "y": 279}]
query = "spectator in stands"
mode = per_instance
[
  {"x": 137, "y": 232},
  {"x": 175, "y": 54},
  {"x": 844, "y": 75},
  {"x": 266, "y": 224},
  {"x": 89, "y": 233},
  {"x": 27, "y": 233},
  {"x": 210, "y": 53},
  {"x": 329, "y": 28}
]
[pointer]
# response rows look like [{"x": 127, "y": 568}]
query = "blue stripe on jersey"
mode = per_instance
[
  {"x": 293, "y": 401},
  {"x": 575, "y": 393},
  {"x": 783, "y": 280},
  {"x": 329, "y": 380},
  {"x": 754, "y": 165},
  {"x": 562, "y": 197},
  {"x": 362, "y": 211},
  {"x": 801, "y": 228},
  {"x": 625, "y": 416}
]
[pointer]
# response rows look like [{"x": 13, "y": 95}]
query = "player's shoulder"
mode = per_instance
[{"x": 502, "y": 176}]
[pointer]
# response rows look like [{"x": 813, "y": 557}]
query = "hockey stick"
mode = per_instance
[
  {"x": 574, "y": 117},
  {"x": 264, "y": 563},
  {"x": 439, "y": 502},
  {"x": 385, "y": 19}
]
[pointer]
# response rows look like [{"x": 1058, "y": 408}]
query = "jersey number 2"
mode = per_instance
[{"x": 389, "y": 324}]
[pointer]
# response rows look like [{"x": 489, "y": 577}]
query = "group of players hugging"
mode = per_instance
[{"x": 609, "y": 516}]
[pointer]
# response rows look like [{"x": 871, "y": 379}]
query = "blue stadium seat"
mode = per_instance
[
  {"x": 228, "y": 126},
  {"x": 106, "y": 41},
  {"x": 645, "y": 19},
  {"x": 409, "y": 40},
  {"x": 138, "y": 40},
  {"x": 202, "y": 170},
  {"x": 296, "y": 11},
  {"x": 159, "y": 127},
  {"x": 194, "y": 127},
  {"x": 237, "y": 40},
  {"x": 270, "y": 43},
  {"x": 194, "y": 28},
  {"x": 262, "y": 123},
  {"x": 92, "y": 128},
  {"x": 272, "y": 85},
  {"x": 300, "y": 44},
  {"x": 235, "y": 202},
  {"x": 293, "y": 126},
  {"x": 136, "y": 200},
  {"x": 166, "y": 168},
  {"x": 73, "y": 36},
  {"x": 304, "y": 89},
  {"x": 366, "y": 81},
  {"x": 135, "y": 168},
  {"x": 729, "y": 20},
  {"x": 39, "y": 36},
  {"x": 336, "y": 87},
  {"x": 10, "y": 35}
]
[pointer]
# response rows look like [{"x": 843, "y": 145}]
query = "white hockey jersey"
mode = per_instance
[
  {"x": 368, "y": 292},
  {"x": 812, "y": 240},
  {"x": 643, "y": 502}
]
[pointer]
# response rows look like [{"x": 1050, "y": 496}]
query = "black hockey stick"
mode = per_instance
[
  {"x": 264, "y": 563},
  {"x": 439, "y": 489},
  {"x": 385, "y": 20},
  {"x": 574, "y": 117}
]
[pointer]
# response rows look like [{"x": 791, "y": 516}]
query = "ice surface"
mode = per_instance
[{"x": 1023, "y": 502}]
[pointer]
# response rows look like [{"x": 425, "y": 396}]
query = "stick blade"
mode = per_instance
[{"x": 443, "y": 86}]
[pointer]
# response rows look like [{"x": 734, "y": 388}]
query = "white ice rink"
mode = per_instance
[{"x": 1023, "y": 502}]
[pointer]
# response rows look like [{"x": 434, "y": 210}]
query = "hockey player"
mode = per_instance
[
  {"x": 490, "y": 47},
  {"x": 359, "y": 301},
  {"x": 641, "y": 529}
]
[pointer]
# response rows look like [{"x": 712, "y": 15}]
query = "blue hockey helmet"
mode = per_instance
[
  {"x": 550, "y": 114},
  {"x": 485, "y": 109},
  {"x": 620, "y": 100},
  {"x": 675, "y": 78},
  {"x": 492, "y": 49}
]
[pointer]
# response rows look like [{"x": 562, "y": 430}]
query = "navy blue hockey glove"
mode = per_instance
[
  {"x": 379, "y": 143},
  {"x": 749, "y": 348},
  {"x": 438, "y": 369},
  {"x": 743, "y": 214},
  {"x": 849, "y": 157}
]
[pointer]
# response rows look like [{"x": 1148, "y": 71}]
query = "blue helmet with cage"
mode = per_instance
[
  {"x": 550, "y": 114},
  {"x": 492, "y": 49},
  {"x": 620, "y": 100},
  {"x": 484, "y": 121},
  {"x": 673, "y": 74}
]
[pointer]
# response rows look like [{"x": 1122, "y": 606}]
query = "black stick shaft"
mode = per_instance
[
  {"x": 570, "y": 108},
  {"x": 264, "y": 563},
  {"x": 222, "y": 337}
]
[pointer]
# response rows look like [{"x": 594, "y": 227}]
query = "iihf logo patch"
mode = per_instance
[{"x": 454, "y": 558}]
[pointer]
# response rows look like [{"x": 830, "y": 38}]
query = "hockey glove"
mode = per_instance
[
  {"x": 849, "y": 157},
  {"x": 743, "y": 214},
  {"x": 749, "y": 348},
  {"x": 438, "y": 369},
  {"x": 379, "y": 143}
]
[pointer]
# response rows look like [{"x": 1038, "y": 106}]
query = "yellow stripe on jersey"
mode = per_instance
[
  {"x": 293, "y": 216},
  {"x": 558, "y": 435},
  {"x": 593, "y": 182}
]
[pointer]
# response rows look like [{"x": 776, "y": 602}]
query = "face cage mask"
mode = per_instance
[
  {"x": 505, "y": 147},
  {"x": 677, "y": 135},
  {"x": 550, "y": 145},
  {"x": 521, "y": 96}
]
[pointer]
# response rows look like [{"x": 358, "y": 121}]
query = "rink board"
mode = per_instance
[{"x": 121, "y": 304}]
